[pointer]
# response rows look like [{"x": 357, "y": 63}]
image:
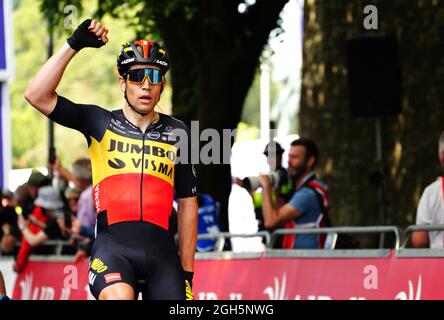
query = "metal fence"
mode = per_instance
[{"x": 401, "y": 237}]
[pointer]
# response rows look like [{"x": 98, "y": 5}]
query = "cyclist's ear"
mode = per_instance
[
  {"x": 163, "y": 85},
  {"x": 122, "y": 83}
]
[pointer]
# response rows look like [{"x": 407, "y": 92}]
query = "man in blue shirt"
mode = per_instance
[{"x": 308, "y": 206}]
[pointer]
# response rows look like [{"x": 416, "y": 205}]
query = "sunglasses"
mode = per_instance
[{"x": 138, "y": 75}]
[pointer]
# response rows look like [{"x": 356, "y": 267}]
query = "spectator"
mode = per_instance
[
  {"x": 72, "y": 195},
  {"x": 3, "y": 295},
  {"x": 35, "y": 181},
  {"x": 241, "y": 217},
  {"x": 81, "y": 176},
  {"x": 41, "y": 225},
  {"x": 7, "y": 198},
  {"x": 81, "y": 235},
  {"x": 86, "y": 212},
  {"x": 308, "y": 206},
  {"x": 9, "y": 232},
  {"x": 281, "y": 194},
  {"x": 50, "y": 202},
  {"x": 431, "y": 210},
  {"x": 208, "y": 221}
]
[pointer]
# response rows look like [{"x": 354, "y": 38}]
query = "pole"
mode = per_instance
[
  {"x": 265, "y": 101},
  {"x": 380, "y": 185},
  {"x": 51, "y": 148}
]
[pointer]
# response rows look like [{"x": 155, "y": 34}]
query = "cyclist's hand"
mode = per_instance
[
  {"x": 189, "y": 285},
  {"x": 89, "y": 33}
]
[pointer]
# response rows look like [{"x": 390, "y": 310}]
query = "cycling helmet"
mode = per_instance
[{"x": 142, "y": 52}]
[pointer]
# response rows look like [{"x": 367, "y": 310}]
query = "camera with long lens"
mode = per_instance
[{"x": 277, "y": 178}]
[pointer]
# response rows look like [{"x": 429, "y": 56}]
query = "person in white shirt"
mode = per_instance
[{"x": 431, "y": 209}]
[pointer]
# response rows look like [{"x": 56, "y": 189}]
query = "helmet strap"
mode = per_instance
[{"x": 131, "y": 106}]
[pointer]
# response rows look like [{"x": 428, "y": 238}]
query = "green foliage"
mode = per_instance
[{"x": 90, "y": 78}]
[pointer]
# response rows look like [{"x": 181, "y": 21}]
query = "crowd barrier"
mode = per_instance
[{"x": 274, "y": 274}]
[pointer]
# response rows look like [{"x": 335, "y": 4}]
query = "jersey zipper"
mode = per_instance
[{"x": 141, "y": 176}]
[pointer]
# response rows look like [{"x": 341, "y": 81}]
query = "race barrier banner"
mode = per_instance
[{"x": 266, "y": 278}]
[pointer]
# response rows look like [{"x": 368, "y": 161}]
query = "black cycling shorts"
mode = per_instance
[{"x": 140, "y": 254}]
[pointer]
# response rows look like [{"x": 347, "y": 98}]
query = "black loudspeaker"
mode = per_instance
[{"x": 374, "y": 75}]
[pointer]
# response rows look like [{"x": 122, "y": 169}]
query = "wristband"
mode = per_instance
[{"x": 188, "y": 276}]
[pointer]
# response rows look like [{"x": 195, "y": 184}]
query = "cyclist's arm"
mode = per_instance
[
  {"x": 41, "y": 92},
  {"x": 187, "y": 228},
  {"x": 273, "y": 216}
]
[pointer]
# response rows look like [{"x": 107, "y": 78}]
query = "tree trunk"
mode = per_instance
[
  {"x": 348, "y": 146},
  {"x": 214, "y": 58}
]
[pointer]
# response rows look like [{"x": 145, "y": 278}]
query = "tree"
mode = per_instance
[
  {"x": 214, "y": 51},
  {"x": 347, "y": 145},
  {"x": 29, "y": 127}
]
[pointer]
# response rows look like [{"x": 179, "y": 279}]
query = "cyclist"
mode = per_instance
[{"x": 135, "y": 154}]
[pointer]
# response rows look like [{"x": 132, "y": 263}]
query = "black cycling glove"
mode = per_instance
[
  {"x": 82, "y": 37},
  {"x": 189, "y": 285}
]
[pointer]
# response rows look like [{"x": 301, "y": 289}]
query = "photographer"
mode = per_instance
[
  {"x": 281, "y": 185},
  {"x": 308, "y": 205}
]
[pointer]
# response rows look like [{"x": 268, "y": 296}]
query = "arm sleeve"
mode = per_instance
[
  {"x": 185, "y": 173},
  {"x": 89, "y": 119}
]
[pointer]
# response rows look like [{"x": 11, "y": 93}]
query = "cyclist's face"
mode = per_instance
[{"x": 144, "y": 96}]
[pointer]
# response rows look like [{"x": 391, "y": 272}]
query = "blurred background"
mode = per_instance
[{"x": 254, "y": 66}]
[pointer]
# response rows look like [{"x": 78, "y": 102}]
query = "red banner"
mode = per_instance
[
  {"x": 266, "y": 278},
  {"x": 323, "y": 279},
  {"x": 52, "y": 281}
]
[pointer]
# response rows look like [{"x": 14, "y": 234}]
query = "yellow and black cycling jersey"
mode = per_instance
[{"x": 135, "y": 174}]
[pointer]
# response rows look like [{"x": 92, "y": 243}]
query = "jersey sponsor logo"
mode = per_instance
[
  {"x": 91, "y": 278},
  {"x": 153, "y": 135},
  {"x": 116, "y": 163},
  {"x": 97, "y": 198},
  {"x": 98, "y": 266},
  {"x": 123, "y": 147},
  {"x": 136, "y": 133},
  {"x": 118, "y": 124},
  {"x": 125, "y": 155},
  {"x": 111, "y": 277}
]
